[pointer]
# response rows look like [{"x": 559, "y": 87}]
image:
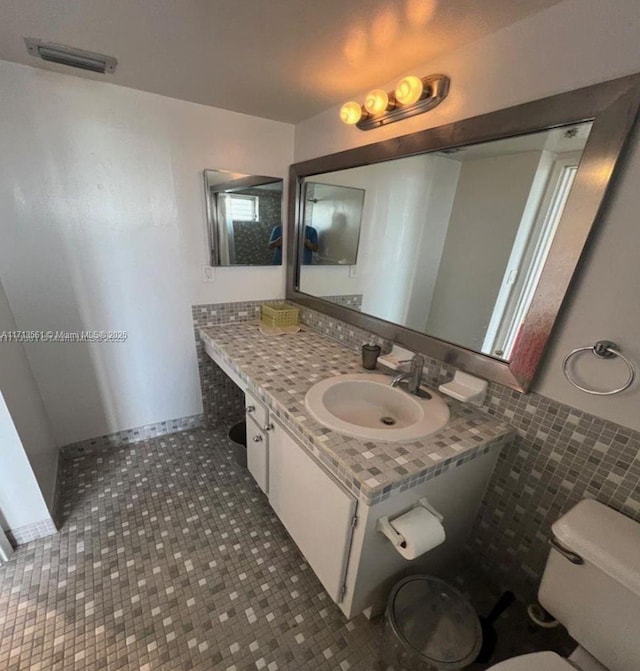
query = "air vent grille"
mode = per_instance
[{"x": 74, "y": 58}]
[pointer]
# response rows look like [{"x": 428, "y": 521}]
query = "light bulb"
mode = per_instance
[
  {"x": 350, "y": 113},
  {"x": 409, "y": 90},
  {"x": 376, "y": 101}
]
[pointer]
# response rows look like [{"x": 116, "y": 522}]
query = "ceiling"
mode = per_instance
[{"x": 279, "y": 59}]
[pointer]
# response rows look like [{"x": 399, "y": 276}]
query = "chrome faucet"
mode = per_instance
[{"x": 413, "y": 376}]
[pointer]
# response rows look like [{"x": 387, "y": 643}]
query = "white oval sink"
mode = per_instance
[{"x": 368, "y": 407}]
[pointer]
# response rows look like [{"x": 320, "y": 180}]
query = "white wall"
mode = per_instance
[
  {"x": 487, "y": 211},
  {"x": 573, "y": 44},
  {"x": 389, "y": 250},
  {"x": 102, "y": 223},
  {"x": 21, "y": 501},
  {"x": 28, "y": 455},
  {"x": 25, "y": 431},
  {"x": 440, "y": 191}
]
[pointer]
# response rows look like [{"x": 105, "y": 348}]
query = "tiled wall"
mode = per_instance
[
  {"x": 560, "y": 455},
  {"x": 350, "y": 336},
  {"x": 30, "y": 532},
  {"x": 120, "y": 438},
  {"x": 221, "y": 398},
  {"x": 353, "y": 301},
  {"x": 251, "y": 238}
]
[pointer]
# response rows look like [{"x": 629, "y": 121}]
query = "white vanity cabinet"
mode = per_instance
[
  {"x": 336, "y": 530},
  {"x": 258, "y": 430},
  {"x": 317, "y": 512},
  {"x": 337, "y": 534}
]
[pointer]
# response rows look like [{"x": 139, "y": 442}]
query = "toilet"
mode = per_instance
[{"x": 591, "y": 584}]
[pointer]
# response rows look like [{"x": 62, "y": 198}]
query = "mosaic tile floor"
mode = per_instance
[{"x": 170, "y": 558}]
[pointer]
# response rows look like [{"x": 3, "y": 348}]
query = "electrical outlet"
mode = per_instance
[
  {"x": 208, "y": 274},
  {"x": 353, "y": 271}
]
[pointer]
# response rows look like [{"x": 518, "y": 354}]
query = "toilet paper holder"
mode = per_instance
[{"x": 384, "y": 526}]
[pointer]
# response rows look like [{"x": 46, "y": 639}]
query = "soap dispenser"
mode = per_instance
[{"x": 370, "y": 354}]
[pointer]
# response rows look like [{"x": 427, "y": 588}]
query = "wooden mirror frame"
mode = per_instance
[{"x": 612, "y": 106}]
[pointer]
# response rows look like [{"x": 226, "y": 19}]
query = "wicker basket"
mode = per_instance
[{"x": 279, "y": 314}]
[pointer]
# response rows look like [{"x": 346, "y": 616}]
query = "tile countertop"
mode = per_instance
[{"x": 281, "y": 369}]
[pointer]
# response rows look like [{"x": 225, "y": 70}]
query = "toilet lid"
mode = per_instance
[{"x": 538, "y": 661}]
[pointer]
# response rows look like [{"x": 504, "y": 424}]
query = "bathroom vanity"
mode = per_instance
[{"x": 330, "y": 490}]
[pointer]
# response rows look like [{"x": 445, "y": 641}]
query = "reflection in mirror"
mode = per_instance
[
  {"x": 333, "y": 213},
  {"x": 452, "y": 243},
  {"x": 244, "y": 218}
]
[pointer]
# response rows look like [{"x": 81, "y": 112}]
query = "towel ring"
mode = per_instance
[{"x": 604, "y": 349}]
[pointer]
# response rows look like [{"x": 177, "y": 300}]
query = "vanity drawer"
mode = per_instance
[{"x": 256, "y": 410}]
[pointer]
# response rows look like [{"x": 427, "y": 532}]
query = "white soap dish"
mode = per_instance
[
  {"x": 466, "y": 388},
  {"x": 395, "y": 357}
]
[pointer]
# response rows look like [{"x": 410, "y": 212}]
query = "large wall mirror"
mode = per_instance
[
  {"x": 461, "y": 241},
  {"x": 244, "y": 218}
]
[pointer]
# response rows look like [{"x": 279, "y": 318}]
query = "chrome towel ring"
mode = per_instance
[{"x": 604, "y": 349}]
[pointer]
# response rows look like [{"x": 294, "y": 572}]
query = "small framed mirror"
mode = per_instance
[
  {"x": 333, "y": 215},
  {"x": 244, "y": 218}
]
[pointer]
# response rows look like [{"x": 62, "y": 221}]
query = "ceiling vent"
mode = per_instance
[{"x": 74, "y": 58}]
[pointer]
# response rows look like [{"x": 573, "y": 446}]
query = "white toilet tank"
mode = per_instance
[{"x": 598, "y": 601}]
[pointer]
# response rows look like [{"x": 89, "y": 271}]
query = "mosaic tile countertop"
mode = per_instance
[{"x": 281, "y": 369}]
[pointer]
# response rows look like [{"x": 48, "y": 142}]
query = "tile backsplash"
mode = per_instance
[
  {"x": 350, "y": 336},
  {"x": 353, "y": 301},
  {"x": 559, "y": 455}
]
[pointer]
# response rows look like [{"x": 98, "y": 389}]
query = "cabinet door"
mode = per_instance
[
  {"x": 317, "y": 512},
  {"x": 258, "y": 454}
]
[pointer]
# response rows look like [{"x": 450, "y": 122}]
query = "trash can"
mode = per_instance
[
  {"x": 429, "y": 626},
  {"x": 238, "y": 436}
]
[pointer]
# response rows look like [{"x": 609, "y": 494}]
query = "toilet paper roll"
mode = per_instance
[{"x": 422, "y": 532}]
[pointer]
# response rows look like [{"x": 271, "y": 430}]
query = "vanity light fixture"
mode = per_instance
[
  {"x": 74, "y": 58},
  {"x": 413, "y": 95}
]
